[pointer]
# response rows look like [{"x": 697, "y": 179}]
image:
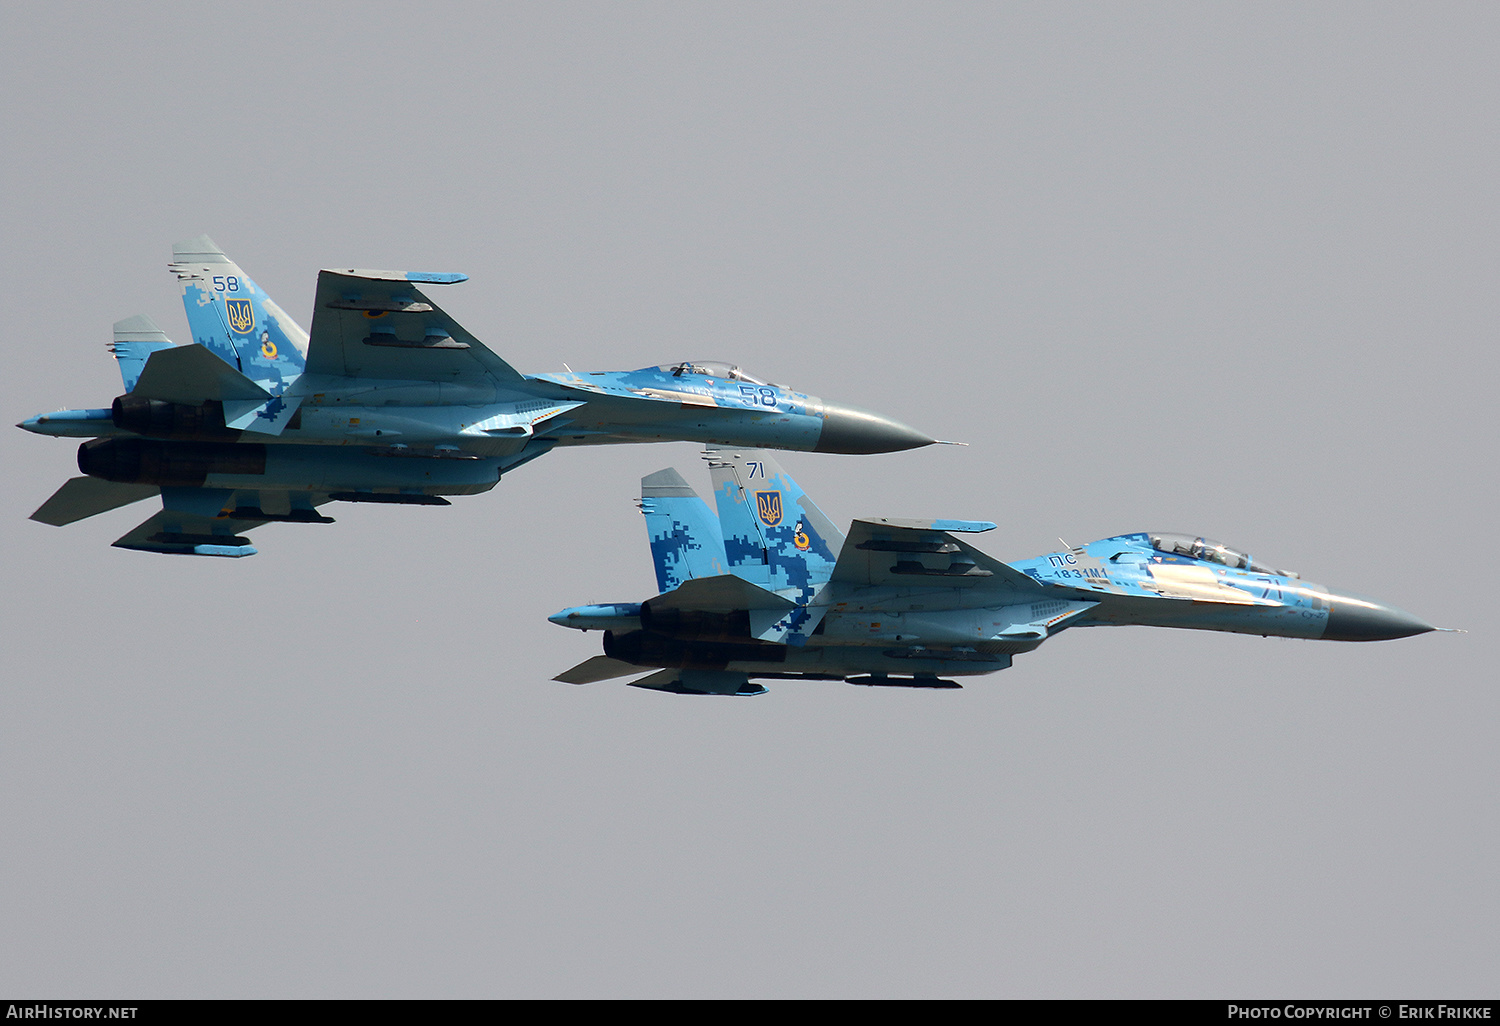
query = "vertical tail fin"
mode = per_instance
[
  {"x": 685, "y": 539},
  {"x": 136, "y": 338},
  {"x": 231, "y": 316},
  {"x": 774, "y": 534}
]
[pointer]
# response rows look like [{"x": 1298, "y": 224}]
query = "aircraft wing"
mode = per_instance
[
  {"x": 886, "y": 552},
  {"x": 378, "y": 324}
]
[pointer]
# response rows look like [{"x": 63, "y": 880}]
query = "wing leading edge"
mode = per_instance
[{"x": 883, "y": 552}]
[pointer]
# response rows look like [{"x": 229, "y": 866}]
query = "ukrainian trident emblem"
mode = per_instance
[
  {"x": 241, "y": 315},
  {"x": 768, "y": 505}
]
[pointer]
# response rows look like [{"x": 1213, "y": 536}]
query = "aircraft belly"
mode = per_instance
[
  {"x": 845, "y": 660},
  {"x": 1290, "y": 620},
  {"x": 315, "y": 469},
  {"x": 1009, "y": 628},
  {"x": 606, "y": 419},
  {"x": 848, "y": 661}
]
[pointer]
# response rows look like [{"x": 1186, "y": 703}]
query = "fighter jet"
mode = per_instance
[
  {"x": 769, "y": 589},
  {"x": 387, "y": 400}
]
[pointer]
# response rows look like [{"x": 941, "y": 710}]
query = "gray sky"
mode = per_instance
[{"x": 1227, "y": 268}]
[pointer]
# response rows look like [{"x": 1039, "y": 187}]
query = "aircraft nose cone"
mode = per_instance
[
  {"x": 850, "y": 430},
  {"x": 1352, "y": 618}
]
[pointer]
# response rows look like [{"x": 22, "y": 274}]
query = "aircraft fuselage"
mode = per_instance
[
  {"x": 440, "y": 439},
  {"x": 925, "y": 632}
]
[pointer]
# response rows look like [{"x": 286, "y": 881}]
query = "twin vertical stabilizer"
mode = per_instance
[
  {"x": 685, "y": 538},
  {"x": 136, "y": 338},
  {"x": 234, "y": 319},
  {"x": 774, "y": 534},
  {"x": 768, "y": 532},
  {"x": 769, "y": 540}
]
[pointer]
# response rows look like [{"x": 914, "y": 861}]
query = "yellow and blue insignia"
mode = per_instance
[
  {"x": 768, "y": 506},
  {"x": 268, "y": 348},
  {"x": 241, "y": 315},
  {"x": 801, "y": 540}
]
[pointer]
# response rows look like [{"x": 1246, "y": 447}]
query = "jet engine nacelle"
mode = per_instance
[
  {"x": 644, "y": 648},
  {"x": 161, "y": 419},
  {"x": 693, "y": 623},
  {"x": 170, "y": 464},
  {"x": 306, "y": 468}
]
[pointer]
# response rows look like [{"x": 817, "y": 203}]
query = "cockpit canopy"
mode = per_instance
[
  {"x": 710, "y": 369},
  {"x": 1212, "y": 552}
]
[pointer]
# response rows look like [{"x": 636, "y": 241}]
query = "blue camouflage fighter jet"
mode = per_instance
[
  {"x": 387, "y": 400},
  {"x": 770, "y": 589}
]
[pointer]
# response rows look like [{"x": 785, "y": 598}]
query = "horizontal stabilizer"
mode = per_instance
[
  {"x": 700, "y": 682},
  {"x": 83, "y": 497},
  {"x": 591, "y": 671},
  {"x": 723, "y": 594},
  {"x": 192, "y": 374}
]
